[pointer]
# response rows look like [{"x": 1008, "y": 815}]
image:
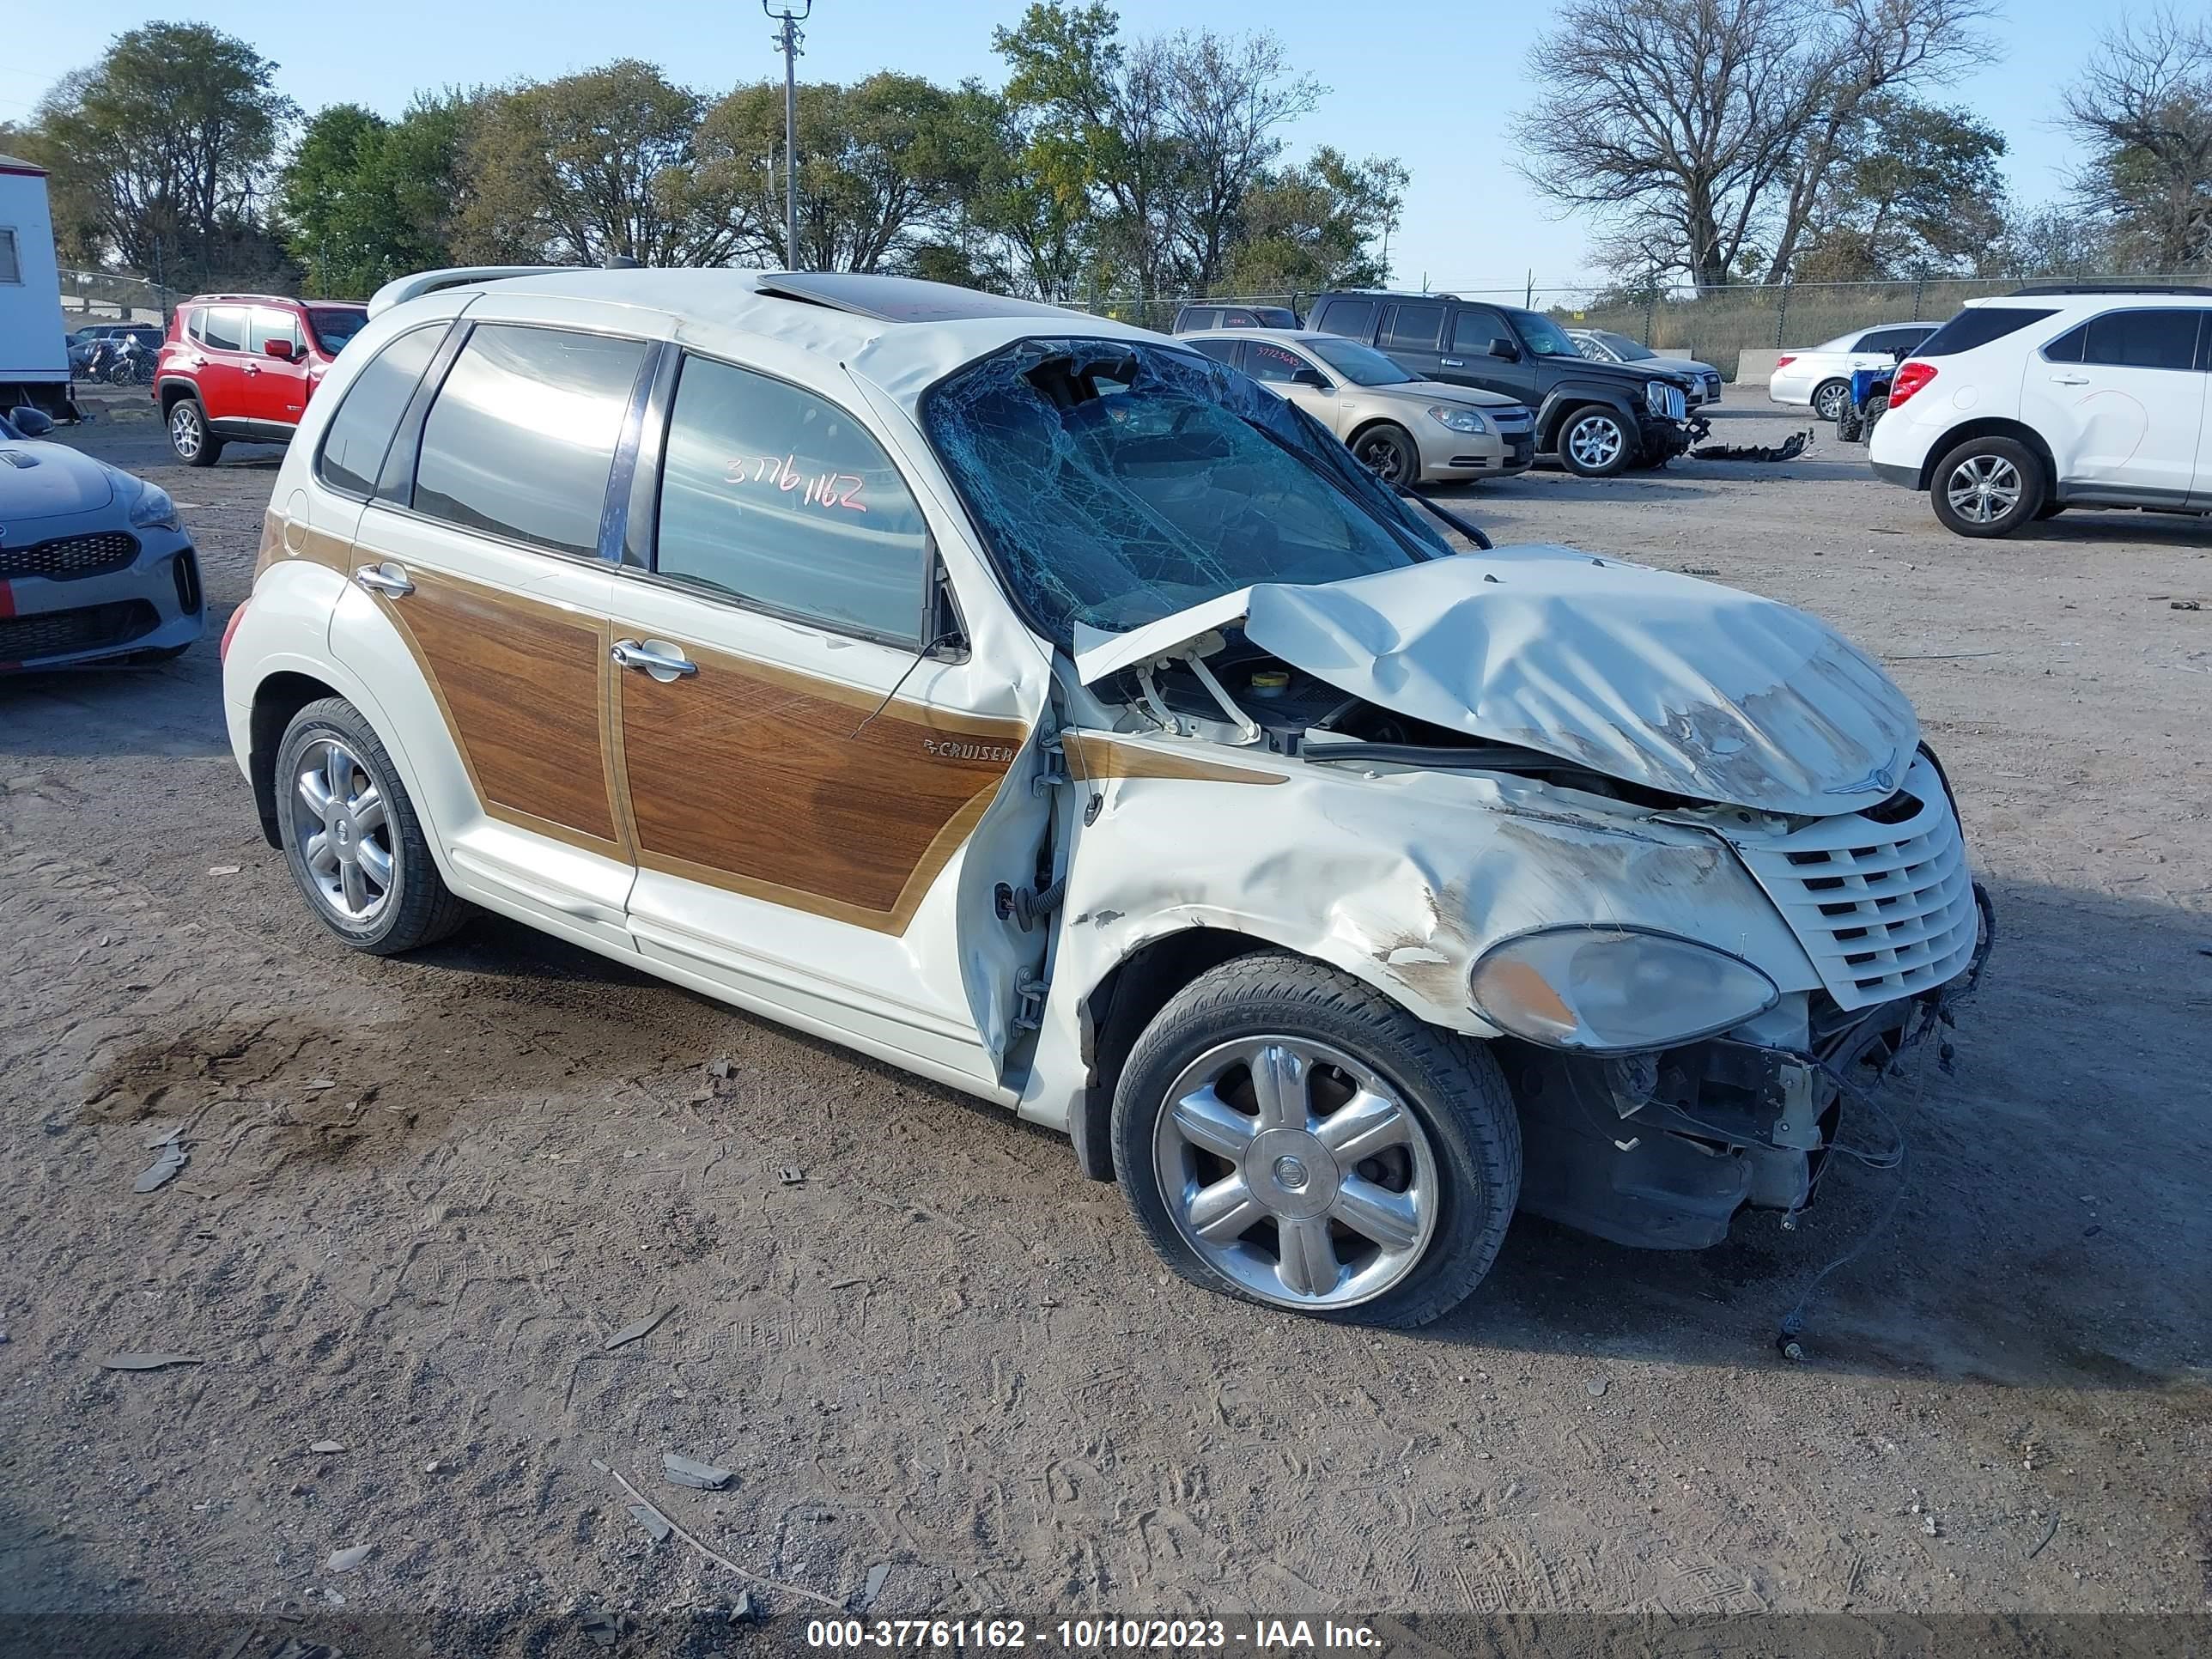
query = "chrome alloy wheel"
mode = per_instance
[
  {"x": 186, "y": 433},
  {"x": 1831, "y": 401},
  {"x": 1596, "y": 440},
  {"x": 1296, "y": 1172},
  {"x": 1984, "y": 489},
  {"x": 339, "y": 821}
]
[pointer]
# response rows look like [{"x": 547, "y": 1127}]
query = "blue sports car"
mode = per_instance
[{"x": 95, "y": 563}]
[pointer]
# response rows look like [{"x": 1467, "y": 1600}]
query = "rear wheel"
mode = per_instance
[
  {"x": 1289, "y": 1135},
  {"x": 1987, "y": 487},
  {"x": 189, "y": 436},
  {"x": 1831, "y": 399},
  {"x": 1595, "y": 442},
  {"x": 1390, "y": 453},
  {"x": 1851, "y": 425},
  {"x": 1877, "y": 406},
  {"x": 351, "y": 837}
]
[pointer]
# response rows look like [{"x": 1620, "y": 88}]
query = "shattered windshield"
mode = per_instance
[{"x": 1119, "y": 482}]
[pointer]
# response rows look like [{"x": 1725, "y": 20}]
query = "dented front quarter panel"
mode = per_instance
[{"x": 1402, "y": 878}]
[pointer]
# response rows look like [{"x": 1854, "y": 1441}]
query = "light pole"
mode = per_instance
[{"x": 787, "y": 41}]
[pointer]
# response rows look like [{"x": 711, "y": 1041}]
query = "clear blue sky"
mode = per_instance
[{"x": 1431, "y": 82}]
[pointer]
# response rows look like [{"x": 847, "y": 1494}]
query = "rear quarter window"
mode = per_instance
[
  {"x": 362, "y": 431},
  {"x": 1353, "y": 318},
  {"x": 1978, "y": 326}
]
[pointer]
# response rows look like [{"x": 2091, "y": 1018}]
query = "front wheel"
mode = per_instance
[
  {"x": 1390, "y": 453},
  {"x": 1987, "y": 487},
  {"x": 351, "y": 837},
  {"x": 1595, "y": 442},
  {"x": 1290, "y": 1136}
]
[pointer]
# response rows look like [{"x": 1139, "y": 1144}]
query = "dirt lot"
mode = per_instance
[{"x": 423, "y": 1192}]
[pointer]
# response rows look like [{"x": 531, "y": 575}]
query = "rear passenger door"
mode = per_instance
[
  {"x": 481, "y": 574},
  {"x": 1413, "y": 336},
  {"x": 1277, "y": 367},
  {"x": 218, "y": 362},
  {"x": 804, "y": 776},
  {"x": 2120, "y": 400}
]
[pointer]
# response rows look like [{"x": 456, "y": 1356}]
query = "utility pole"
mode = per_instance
[{"x": 787, "y": 41}]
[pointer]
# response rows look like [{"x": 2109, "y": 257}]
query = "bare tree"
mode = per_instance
[
  {"x": 1706, "y": 131},
  {"x": 1229, "y": 101},
  {"x": 2144, "y": 105}
]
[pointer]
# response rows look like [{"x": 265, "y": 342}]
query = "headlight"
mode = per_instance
[
  {"x": 153, "y": 510},
  {"x": 1459, "y": 420},
  {"x": 1601, "y": 989}
]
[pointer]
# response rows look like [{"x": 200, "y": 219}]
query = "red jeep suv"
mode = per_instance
[{"x": 240, "y": 368}]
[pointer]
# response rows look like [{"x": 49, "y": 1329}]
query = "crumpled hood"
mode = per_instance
[
  {"x": 1677, "y": 685},
  {"x": 49, "y": 481}
]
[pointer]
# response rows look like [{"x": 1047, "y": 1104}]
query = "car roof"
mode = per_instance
[
  {"x": 2061, "y": 295},
  {"x": 902, "y": 333}
]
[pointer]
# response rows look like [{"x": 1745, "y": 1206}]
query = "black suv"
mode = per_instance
[
  {"x": 1191, "y": 320},
  {"x": 1596, "y": 418}
]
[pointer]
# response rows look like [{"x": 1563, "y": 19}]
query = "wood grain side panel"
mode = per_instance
[
  {"x": 769, "y": 782},
  {"x": 520, "y": 682},
  {"x": 1093, "y": 757},
  {"x": 282, "y": 540}
]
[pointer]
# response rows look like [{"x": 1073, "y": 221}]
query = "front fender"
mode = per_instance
[{"x": 1575, "y": 394}]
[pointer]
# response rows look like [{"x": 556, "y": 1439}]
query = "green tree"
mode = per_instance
[
  {"x": 592, "y": 165},
  {"x": 158, "y": 152},
  {"x": 1918, "y": 194},
  {"x": 2143, "y": 105},
  {"x": 1315, "y": 226},
  {"x": 365, "y": 200}
]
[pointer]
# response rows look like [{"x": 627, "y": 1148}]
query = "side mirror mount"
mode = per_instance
[
  {"x": 31, "y": 422},
  {"x": 279, "y": 348},
  {"x": 1502, "y": 347},
  {"x": 1310, "y": 377}
]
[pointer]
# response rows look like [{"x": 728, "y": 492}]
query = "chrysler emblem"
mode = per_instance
[{"x": 1881, "y": 778}]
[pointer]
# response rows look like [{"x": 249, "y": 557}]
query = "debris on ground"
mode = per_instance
[
  {"x": 1597, "y": 1386},
  {"x": 346, "y": 1560},
  {"x": 222, "y": 869},
  {"x": 600, "y": 1626},
  {"x": 631, "y": 1332},
  {"x": 325, "y": 1446},
  {"x": 164, "y": 1169},
  {"x": 791, "y": 1178},
  {"x": 1701, "y": 570},
  {"x": 742, "y": 1611},
  {"x": 690, "y": 1472},
  {"x": 872, "y": 1589},
  {"x": 1788, "y": 450},
  {"x": 718, "y": 1067},
  {"x": 2184, "y": 605},
  {"x": 148, "y": 1361},
  {"x": 163, "y": 1137},
  {"x": 653, "y": 1521},
  {"x": 2050, "y": 1532}
]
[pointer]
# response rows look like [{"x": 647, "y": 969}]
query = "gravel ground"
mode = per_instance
[{"x": 423, "y": 1193}]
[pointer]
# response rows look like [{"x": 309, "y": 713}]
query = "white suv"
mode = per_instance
[
  {"x": 1037, "y": 705},
  {"x": 2052, "y": 398}
]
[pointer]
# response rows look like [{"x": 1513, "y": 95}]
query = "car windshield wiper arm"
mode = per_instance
[{"x": 1467, "y": 527}]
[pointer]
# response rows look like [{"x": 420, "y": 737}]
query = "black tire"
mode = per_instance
[
  {"x": 1830, "y": 398},
  {"x": 1851, "y": 426},
  {"x": 1389, "y": 451},
  {"x": 1987, "y": 458},
  {"x": 418, "y": 907},
  {"x": 1596, "y": 459},
  {"x": 2050, "y": 510},
  {"x": 1454, "y": 1087},
  {"x": 195, "y": 445},
  {"x": 1877, "y": 406}
]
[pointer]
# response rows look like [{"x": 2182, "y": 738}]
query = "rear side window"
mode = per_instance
[
  {"x": 2162, "y": 338},
  {"x": 1353, "y": 318},
  {"x": 360, "y": 432},
  {"x": 222, "y": 328},
  {"x": 771, "y": 495},
  {"x": 1419, "y": 328},
  {"x": 522, "y": 437},
  {"x": 1977, "y": 327},
  {"x": 1222, "y": 351}
]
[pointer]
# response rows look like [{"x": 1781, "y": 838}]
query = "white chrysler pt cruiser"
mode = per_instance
[{"x": 1033, "y": 703}]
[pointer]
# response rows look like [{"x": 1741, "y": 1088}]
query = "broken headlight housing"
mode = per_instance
[{"x": 1604, "y": 989}]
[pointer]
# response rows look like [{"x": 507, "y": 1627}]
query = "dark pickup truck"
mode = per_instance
[{"x": 1596, "y": 418}]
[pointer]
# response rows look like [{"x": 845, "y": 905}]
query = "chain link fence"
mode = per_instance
[
  {"x": 111, "y": 296},
  {"x": 1717, "y": 326}
]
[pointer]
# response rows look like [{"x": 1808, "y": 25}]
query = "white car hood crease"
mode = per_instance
[{"x": 1678, "y": 685}]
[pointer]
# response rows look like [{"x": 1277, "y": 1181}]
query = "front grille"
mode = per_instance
[
  {"x": 1881, "y": 900},
  {"x": 68, "y": 556},
  {"x": 63, "y": 633},
  {"x": 1506, "y": 417},
  {"x": 1663, "y": 399}
]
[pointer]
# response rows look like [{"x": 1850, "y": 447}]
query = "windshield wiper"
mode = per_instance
[{"x": 1465, "y": 527}]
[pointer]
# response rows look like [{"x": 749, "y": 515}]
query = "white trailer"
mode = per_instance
[{"x": 33, "y": 353}]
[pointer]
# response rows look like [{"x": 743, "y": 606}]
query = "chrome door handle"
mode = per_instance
[
  {"x": 387, "y": 579},
  {"x": 663, "y": 661},
  {"x": 253, "y": 369},
  {"x": 1453, "y": 362},
  {"x": 2069, "y": 380}
]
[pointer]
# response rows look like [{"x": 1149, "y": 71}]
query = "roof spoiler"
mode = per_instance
[{"x": 402, "y": 288}]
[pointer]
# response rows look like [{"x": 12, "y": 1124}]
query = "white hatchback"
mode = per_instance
[
  {"x": 1820, "y": 375},
  {"x": 1039, "y": 706},
  {"x": 2056, "y": 397}
]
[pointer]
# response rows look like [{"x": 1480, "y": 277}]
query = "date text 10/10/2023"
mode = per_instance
[{"x": 1091, "y": 1635}]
